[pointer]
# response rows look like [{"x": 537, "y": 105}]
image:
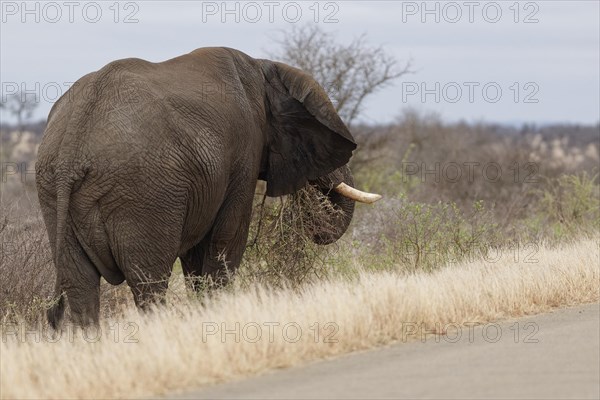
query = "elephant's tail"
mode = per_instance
[{"x": 63, "y": 196}]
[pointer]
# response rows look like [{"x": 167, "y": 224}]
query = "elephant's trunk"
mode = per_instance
[
  {"x": 339, "y": 219},
  {"x": 338, "y": 187}
]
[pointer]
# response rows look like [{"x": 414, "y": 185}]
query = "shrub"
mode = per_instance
[
  {"x": 570, "y": 205},
  {"x": 417, "y": 236},
  {"x": 280, "y": 251},
  {"x": 26, "y": 269}
]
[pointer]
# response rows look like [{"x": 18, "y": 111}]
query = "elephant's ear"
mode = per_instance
[{"x": 306, "y": 138}]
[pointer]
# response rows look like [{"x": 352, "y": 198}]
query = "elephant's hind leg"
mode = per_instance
[
  {"x": 78, "y": 277},
  {"x": 145, "y": 249},
  {"x": 148, "y": 277},
  {"x": 148, "y": 294}
]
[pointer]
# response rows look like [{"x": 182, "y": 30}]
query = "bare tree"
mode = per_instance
[
  {"x": 21, "y": 106},
  {"x": 280, "y": 250},
  {"x": 349, "y": 72}
]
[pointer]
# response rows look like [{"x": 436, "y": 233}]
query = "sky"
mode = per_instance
[{"x": 478, "y": 61}]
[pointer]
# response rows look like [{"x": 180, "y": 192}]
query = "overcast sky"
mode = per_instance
[{"x": 477, "y": 61}]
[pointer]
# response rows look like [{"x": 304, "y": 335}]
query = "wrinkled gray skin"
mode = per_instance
[{"x": 143, "y": 162}]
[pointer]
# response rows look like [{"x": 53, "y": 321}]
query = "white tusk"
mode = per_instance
[{"x": 355, "y": 194}]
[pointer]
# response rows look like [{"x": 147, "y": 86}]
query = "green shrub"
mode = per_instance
[
  {"x": 569, "y": 206},
  {"x": 418, "y": 236}
]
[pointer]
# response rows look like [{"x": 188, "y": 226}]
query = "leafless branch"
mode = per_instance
[{"x": 350, "y": 73}]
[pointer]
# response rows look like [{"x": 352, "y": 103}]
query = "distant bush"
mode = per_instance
[
  {"x": 26, "y": 269},
  {"x": 413, "y": 236},
  {"x": 428, "y": 160},
  {"x": 569, "y": 205}
]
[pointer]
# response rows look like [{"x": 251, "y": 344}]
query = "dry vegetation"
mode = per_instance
[
  {"x": 185, "y": 345},
  {"x": 421, "y": 224}
]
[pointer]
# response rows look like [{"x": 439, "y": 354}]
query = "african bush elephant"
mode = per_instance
[{"x": 143, "y": 162}]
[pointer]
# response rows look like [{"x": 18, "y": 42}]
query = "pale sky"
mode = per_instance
[{"x": 543, "y": 56}]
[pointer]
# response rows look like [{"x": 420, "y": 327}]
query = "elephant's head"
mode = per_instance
[{"x": 307, "y": 142}]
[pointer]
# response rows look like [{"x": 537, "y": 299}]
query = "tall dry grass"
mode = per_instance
[{"x": 186, "y": 345}]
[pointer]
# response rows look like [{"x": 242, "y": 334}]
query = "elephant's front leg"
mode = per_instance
[{"x": 226, "y": 241}]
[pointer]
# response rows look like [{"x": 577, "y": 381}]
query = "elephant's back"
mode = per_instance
[
  {"x": 134, "y": 119},
  {"x": 132, "y": 100}
]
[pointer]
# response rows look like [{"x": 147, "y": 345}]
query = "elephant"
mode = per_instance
[{"x": 144, "y": 162}]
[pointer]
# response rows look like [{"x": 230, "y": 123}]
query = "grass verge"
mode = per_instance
[{"x": 237, "y": 333}]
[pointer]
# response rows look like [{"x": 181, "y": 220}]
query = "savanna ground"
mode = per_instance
[{"x": 518, "y": 238}]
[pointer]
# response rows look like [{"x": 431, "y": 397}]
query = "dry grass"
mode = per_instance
[{"x": 174, "y": 350}]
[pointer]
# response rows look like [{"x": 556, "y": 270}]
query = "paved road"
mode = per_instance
[{"x": 564, "y": 363}]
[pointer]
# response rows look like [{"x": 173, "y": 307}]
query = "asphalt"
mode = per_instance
[{"x": 547, "y": 356}]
